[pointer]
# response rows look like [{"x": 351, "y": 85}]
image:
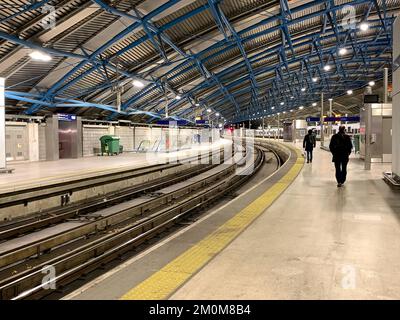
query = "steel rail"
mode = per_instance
[
  {"x": 72, "y": 264},
  {"x": 52, "y": 217},
  {"x": 129, "y": 210},
  {"x": 24, "y": 196},
  {"x": 55, "y": 215}
]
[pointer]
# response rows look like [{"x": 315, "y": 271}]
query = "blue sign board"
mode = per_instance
[
  {"x": 350, "y": 119},
  {"x": 334, "y": 119},
  {"x": 201, "y": 121},
  {"x": 167, "y": 122},
  {"x": 66, "y": 117}
]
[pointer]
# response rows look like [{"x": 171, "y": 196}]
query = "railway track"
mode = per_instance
[
  {"x": 35, "y": 201},
  {"x": 80, "y": 209},
  {"x": 116, "y": 228},
  {"x": 38, "y": 220}
]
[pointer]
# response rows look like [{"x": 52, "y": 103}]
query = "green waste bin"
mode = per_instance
[
  {"x": 356, "y": 143},
  {"x": 109, "y": 145}
]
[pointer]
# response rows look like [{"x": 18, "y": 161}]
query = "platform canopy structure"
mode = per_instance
[{"x": 227, "y": 59}]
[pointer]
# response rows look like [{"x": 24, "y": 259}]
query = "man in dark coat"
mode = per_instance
[
  {"x": 309, "y": 144},
  {"x": 340, "y": 147}
]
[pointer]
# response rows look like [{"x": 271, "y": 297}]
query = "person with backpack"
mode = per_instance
[
  {"x": 309, "y": 144},
  {"x": 340, "y": 147}
]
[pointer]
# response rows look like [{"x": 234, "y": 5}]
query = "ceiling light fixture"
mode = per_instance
[
  {"x": 303, "y": 89},
  {"x": 327, "y": 67},
  {"x": 138, "y": 83},
  {"x": 178, "y": 97},
  {"x": 371, "y": 83},
  {"x": 40, "y": 56},
  {"x": 342, "y": 51},
  {"x": 314, "y": 79},
  {"x": 314, "y": 104},
  {"x": 364, "y": 26},
  {"x": 301, "y": 107},
  {"x": 349, "y": 92}
]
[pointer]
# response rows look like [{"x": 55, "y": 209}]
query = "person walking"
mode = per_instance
[
  {"x": 309, "y": 144},
  {"x": 340, "y": 147}
]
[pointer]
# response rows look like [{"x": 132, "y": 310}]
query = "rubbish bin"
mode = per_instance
[
  {"x": 109, "y": 145},
  {"x": 356, "y": 143}
]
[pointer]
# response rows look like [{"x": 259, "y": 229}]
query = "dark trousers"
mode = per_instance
[
  {"x": 341, "y": 170},
  {"x": 309, "y": 155}
]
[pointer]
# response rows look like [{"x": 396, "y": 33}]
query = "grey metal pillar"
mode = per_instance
[
  {"x": 2, "y": 124},
  {"x": 278, "y": 125},
  {"x": 385, "y": 84},
  {"x": 263, "y": 127},
  {"x": 368, "y": 122},
  {"x": 52, "y": 146},
  {"x": 330, "y": 114},
  {"x": 322, "y": 119}
]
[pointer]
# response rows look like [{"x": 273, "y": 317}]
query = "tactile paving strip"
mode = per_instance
[{"x": 167, "y": 280}]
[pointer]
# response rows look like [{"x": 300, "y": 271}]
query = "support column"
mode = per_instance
[
  {"x": 2, "y": 125},
  {"x": 368, "y": 121},
  {"x": 263, "y": 135},
  {"x": 385, "y": 84},
  {"x": 330, "y": 114},
  {"x": 322, "y": 119},
  {"x": 396, "y": 101},
  {"x": 278, "y": 125},
  {"x": 52, "y": 147}
]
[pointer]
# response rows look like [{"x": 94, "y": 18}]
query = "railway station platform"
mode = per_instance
[
  {"x": 300, "y": 237},
  {"x": 41, "y": 173}
]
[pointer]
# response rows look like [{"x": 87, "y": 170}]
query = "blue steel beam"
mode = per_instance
[
  {"x": 337, "y": 6},
  {"x": 223, "y": 23},
  {"x": 306, "y": 17},
  {"x": 202, "y": 67},
  {"x": 271, "y": 68},
  {"x": 51, "y": 92},
  {"x": 241, "y": 79},
  {"x": 28, "y": 7}
]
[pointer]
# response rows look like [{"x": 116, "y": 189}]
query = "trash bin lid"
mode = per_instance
[{"x": 109, "y": 138}]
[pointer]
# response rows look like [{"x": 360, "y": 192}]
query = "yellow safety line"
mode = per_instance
[{"x": 173, "y": 275}]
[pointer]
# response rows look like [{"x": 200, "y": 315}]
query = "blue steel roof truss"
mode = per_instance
[{"x": 270, "y": 87}]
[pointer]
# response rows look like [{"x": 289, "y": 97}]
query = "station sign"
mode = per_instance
[
  {"x": 168, "y": 122},
  {"x": 66, "y": 117},
  {"x": 334, "y": 119},
  {"x": 201, "y": 121}
]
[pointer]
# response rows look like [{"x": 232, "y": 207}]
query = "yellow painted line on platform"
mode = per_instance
[{"x": 168, "y": 279}]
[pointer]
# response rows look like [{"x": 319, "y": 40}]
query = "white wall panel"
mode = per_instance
[
  {"x": 126, "y": 135},
  {"x": 91, "y": 138},
  {"x": 396, "y": 102}
]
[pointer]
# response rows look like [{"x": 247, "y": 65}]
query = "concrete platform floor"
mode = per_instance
[
  {"x": 28, "y": 174},
  {"x": 316, "y": 241}
]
